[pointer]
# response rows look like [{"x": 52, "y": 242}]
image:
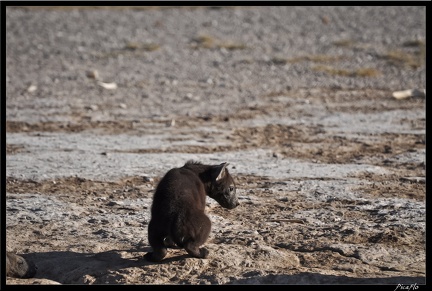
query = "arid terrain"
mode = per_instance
[{"x": 329, "y": 166}]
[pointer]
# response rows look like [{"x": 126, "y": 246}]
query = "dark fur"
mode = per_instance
[
  {"x": 18, "y": 267},
  {"x": 177, "y": 214}
]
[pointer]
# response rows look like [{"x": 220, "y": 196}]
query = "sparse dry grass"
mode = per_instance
[
  {"x": 414, "y": 58},
  {"x": 406, "y": 59},
  {"x": 344, "y": 43},
  {"x": 204, "y": 41},
  {"x": 230, "y": 45},
  {"x": 130, "y": 48},
  {"x": 316, "y": 58},
  {"x": 414, "y": 43},
  {"x": 142, "y": 46},
  {"x": 209, "y": 42},
  {"x": 361, "y": 72},
  {"x": 307, "y": 58}
]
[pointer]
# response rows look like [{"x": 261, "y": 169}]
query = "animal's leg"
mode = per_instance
[
  {"x": 169, "y": 243},
  {"x": 194, "y": 250},
  {"x": 156, "y": 240},
  {"x": 199, "y": 229},
  {"x": 156, "y": 255}
]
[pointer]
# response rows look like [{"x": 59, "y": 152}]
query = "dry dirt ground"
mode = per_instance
[
  {"x": 331, "y": 184},
  {"x": 286, "y": 231}
]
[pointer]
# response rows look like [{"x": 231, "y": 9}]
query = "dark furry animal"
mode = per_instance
[
  {"x": 18, "y": 267},
  {"x": 177, "y": 213}
]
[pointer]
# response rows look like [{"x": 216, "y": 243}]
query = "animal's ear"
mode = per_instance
[{"x": 218, "y": 172}]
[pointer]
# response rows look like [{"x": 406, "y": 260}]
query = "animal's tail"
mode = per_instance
[{"x": 178, "y": 231}]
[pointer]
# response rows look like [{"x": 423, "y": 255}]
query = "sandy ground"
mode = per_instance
[{"x": 329, "y": 167}]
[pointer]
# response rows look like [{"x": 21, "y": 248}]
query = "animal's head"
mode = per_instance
[
  {"x": 18, "y": 267},
  {"x": 223, "y": 188}
]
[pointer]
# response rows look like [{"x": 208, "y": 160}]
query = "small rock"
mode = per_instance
[
  {"x": 171, "y": 123},
  {"x": 147, "y": 179},
  {"x": 93, "y": 74},
  {"x": 421, "y": 180},
  {"x": 108, "y": 86},
  {"x": 92, "y": 107},
  {"x": 32, "y": 88},
  {"x": 409, "y": 93}
]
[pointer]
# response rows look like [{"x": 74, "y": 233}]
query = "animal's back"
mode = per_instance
[{"x": 178, "y": 190}]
